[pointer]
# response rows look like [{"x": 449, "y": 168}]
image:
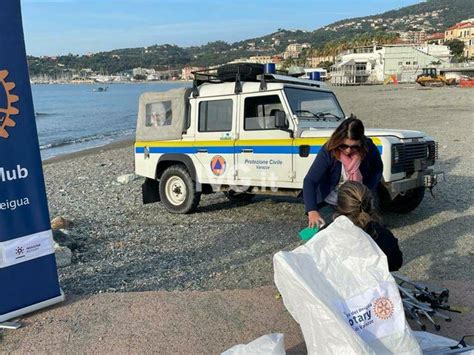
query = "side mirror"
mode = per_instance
[{"x": 280, "y": 120}]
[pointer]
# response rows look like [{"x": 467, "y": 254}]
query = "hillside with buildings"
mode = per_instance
[{"x": 427, "y": 23}]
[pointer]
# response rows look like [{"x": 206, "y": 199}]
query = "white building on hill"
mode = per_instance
[{"x": 375, "y": 64}]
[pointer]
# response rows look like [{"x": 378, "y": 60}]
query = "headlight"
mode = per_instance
[
  {"x": 397, "y": 152},
  {"x": 398, "y": 157}
]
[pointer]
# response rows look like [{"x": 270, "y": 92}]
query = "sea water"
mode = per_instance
[{"x": 74, "y": 117}]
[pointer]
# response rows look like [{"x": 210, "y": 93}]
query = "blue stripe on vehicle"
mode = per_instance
[
  {"x": 218, "y": 150},
  {"x": 267, "y": 149},
  {"x": 161, "y": 150},
  {"x": 314, "y": 149}
]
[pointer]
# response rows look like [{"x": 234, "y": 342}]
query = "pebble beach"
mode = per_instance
[
  {"x": 120, "y": 245},
  {"x": 123, "y": 245}
]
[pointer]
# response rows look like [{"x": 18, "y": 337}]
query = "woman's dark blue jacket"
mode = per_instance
[{"x": 325, "y": 173}]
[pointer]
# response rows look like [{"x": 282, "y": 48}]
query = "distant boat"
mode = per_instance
[{"x": 101, "y": 89}]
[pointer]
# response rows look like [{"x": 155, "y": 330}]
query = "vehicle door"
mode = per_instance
[
  {"x": 263, "y": 152},
  {"x": 215, "y": 138},
  {"x": 308, "y": 104}
]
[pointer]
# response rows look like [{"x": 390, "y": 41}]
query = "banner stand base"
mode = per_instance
[
  {"x": 32, "y": 308},
  {"x": 10, "y": 325}
]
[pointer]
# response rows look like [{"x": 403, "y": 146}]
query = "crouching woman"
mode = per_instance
[
  {"x": 348, "y": 156},
  {"x": 355, "y": 201}
]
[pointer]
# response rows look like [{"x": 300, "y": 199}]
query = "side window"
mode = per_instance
[
  {"x": 259, "y": 112},
  {"x": 158, "y": 114},
  {"x": 215, "y": 116}
]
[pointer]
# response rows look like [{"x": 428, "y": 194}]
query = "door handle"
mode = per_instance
[
  {"x": 246, "y": 150},
  {"x": 202, "y": 150}
]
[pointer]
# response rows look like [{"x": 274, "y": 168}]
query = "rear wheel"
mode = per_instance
[
  {"x": 178, "y": 190},
  {"x": 403, "y": 203}
]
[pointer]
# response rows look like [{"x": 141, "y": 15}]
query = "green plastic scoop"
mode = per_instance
[{"x": 308, "y": 233}]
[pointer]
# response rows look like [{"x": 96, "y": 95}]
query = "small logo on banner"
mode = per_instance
[
  {"x": 6, "y": 104},
  {"x": 19, "y": 251},
  {"x": 26, "y": 248},
  {"x": 218, "y": 165},
  {"x": 383, "y": 308}
]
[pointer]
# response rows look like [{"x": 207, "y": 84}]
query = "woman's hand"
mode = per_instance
[{"x": 315, "y": 219}]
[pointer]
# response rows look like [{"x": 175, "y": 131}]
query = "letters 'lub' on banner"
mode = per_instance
[{"x": 28, "y": 274}]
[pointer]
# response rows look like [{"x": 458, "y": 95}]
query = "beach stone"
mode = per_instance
[
  {"x": 65, "y": 238},
  {"x": 60, "y": 222},
  {"x": 63, "y": 255},
  {"x": 127, "y": 178}
]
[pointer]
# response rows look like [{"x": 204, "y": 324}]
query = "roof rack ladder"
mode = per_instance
[
  {"x": 263, "y": 83},
  {"x": 195, "y": 88},
  {"x": 238, "y": 84}
]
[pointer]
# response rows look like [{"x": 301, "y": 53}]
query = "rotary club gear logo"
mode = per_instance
[
  {"x": 383, "y": 308},
  {"x": 6, "y": 104}
]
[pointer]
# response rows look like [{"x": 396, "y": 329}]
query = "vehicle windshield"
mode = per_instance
[{"x": 315, "y": 106}]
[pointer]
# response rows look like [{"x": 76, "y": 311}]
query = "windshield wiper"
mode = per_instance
[
  {"x": 323, "y": 115},
  {"x": 306, "y": 111},
  {"x": 318, "y": 115}
]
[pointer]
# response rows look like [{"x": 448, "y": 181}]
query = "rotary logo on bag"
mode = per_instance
[
  {"x": 6, "y": 104},
  {"x": 383, "y": 308}
]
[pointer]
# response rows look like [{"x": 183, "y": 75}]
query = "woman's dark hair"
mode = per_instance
[
  {"x": 351, "y": 128},
  {"x": 355, "y": 201}
]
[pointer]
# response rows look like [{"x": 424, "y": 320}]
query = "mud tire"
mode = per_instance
[
  {"x": 403, "y": 203},
  {"x": 178, "y": 190}
]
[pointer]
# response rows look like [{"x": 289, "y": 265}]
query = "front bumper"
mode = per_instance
[{"x": 426, "y": 178}]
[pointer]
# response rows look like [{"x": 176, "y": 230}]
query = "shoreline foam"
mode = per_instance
[{"x": 120, "y": 143}]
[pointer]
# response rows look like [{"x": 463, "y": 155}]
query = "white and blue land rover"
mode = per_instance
[{"x": 245, "y": 131}]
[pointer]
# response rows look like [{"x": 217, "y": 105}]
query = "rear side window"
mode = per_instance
[
  {"x": 158, "y": 114},
  {"x": 215, "y": 116},
  {"x": 260, "y": 112}
]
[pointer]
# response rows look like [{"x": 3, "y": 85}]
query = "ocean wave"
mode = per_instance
[
  {"x": 98, "y": 137},
  {"x": 39, "y": 114}
]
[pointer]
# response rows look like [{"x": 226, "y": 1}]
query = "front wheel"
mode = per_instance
[
  {"x": 178, "y": 191},
  {"x": 404, "y": 203}
]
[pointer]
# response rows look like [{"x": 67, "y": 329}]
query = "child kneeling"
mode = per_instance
[{"x": 355, "y": 201}]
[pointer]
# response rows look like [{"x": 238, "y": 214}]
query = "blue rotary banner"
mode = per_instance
[{"x": 28, "y": 274}]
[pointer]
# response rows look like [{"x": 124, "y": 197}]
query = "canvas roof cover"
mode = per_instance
[{"x": 162, "y": 115}]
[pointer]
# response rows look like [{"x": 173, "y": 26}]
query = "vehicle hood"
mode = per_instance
[{"x": 399, "y": 133}]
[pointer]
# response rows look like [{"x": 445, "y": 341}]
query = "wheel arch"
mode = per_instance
[{"x": 167, "y": 160}]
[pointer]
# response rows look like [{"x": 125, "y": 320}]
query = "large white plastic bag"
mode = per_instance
[
  {"x": 436, "y": 344},
  {"x": 271, "y": 344},
  {"x": 340, "y": 274}
]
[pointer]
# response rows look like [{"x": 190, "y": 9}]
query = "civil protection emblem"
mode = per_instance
[
  {"x": 7, "y": 99},
  {"x": 218, "y": 165}
]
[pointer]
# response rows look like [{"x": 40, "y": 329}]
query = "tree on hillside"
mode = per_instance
[
  {"x": 326, "y": 65},
  {"x": 456, "y": 47}
]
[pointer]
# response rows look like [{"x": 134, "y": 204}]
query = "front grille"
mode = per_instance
[
  {"x": 404, "y": 156},
  {"x": 432, "y": 152}
]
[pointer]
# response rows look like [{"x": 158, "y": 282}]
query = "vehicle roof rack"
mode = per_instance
[
  {"x": 287, "y": 79},
  {"x": 237, "y": 72},
  {"x": 234, "y": 73}
]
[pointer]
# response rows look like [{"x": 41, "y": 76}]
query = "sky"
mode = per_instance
[{"x": 55, "y": 27}]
